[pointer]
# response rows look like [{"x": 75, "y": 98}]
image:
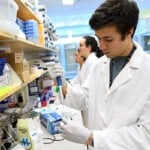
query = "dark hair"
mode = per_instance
[
  {"x": 89, "y": 40},
  {"x": 123, "y": 14}
]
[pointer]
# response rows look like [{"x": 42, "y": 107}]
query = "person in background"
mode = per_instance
[
  {"x": 80, "y": 60},
  {"x": 90, "y": 52},
  {"x": 88, "y": 48},
  {"x": 116, "y": 93}
]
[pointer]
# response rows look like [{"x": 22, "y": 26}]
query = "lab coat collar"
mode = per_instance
[
  {"x": 125, "y": 75},
  {"x": 137, "y": 57},
  {"x": 90, "y": 57}
]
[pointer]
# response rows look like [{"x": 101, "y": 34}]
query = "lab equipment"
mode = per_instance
[
  {"x": 54, "y": 60},
  {"x": 59, "y": 84}
]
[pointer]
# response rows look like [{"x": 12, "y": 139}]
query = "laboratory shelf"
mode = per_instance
[
  {"x": 6, "y": 91},
  {"x": 5, "y": 36},
  {"x": 24, "y": 45},
  {"x": 34, "y": 76},
  {"x": 18, "y": 44},
  {"x": 25, "y": 12}
]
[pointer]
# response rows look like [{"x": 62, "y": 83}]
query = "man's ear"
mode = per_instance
[{"x": 130, "y": 32}]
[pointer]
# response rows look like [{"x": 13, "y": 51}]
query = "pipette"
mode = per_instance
[{"x": 59, "y": 84}]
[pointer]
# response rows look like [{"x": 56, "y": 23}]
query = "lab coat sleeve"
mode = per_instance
[
  {"x": 75, "y": 80},
  {"x": 76, "y": 97},
  {"x": 133, "y": 137}
]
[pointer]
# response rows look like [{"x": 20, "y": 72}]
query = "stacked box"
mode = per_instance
[
  {"x": 21, "y": 67},
  {"x": 13, "y": 57},
  {"x": 51, "y": 121}
]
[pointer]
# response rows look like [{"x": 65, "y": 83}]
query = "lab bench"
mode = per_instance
[{"x": 60, "y": 144}]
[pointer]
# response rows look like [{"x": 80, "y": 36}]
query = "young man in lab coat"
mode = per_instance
[{"x": 117, "y": 92}]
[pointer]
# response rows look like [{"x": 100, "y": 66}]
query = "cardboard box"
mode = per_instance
[
  {"x": 20, "y": 67},
  {"x": 13, "y": 57},
  {"x": 24, "y": 76},
  {"x": 29, "y": 134},
  {"x": 47, "y": 83},
  {"x": 51, "y": 121},
  {"x": 33, "y": 88}
]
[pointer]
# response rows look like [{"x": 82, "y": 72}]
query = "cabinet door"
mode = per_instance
[{"x": 69, "y": 50}]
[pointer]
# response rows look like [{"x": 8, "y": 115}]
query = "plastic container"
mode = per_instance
[
  {"x": 8, "y": 10},
  {"x": 8, "y": 15},
  {"x": 21, "y": 25},
  {"x": 3, "y": 105},
  {"x": 7, "y": 73},
  {"x": 41, "y": 40},
  {"x": 33, "y": 39},
  {"x": 31, "y": 30},
  {"x": 2, "y": 65},
  {"x": 9, "y": 27}
]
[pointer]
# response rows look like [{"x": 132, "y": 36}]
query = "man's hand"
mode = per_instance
[{"x": 72, "y": 131}]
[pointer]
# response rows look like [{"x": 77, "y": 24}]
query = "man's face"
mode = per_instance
[{"x": 111, "y": 43}]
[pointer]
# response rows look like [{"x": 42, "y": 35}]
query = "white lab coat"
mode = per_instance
[
  {"x": 85, "y": 70},
  {"x": 120, "y": 115},
  {"x": 76, "y": 79},
  {"x": 81, "y": 77}
]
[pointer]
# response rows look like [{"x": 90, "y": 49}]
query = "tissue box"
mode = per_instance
[{"x": 51, "y": 121}]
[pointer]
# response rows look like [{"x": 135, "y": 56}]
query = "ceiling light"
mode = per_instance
[{"x": 67, "y": 2}]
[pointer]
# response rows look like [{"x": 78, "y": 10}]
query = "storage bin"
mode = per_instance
[
  {"x": 21, "y": 25},
  {"x": 8, "y": 10},
  {"x": 31, "y": 30},
  {"x": 13, "y": 57},
  {"x": 3, "y": 105},
  {"x": 33, "y": 39},
  {"x": 9, "y": 27},
  {"x": 2, "y": 65}
]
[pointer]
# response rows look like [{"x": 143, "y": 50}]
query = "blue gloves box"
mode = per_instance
[{"x": 51, "y": 121}]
